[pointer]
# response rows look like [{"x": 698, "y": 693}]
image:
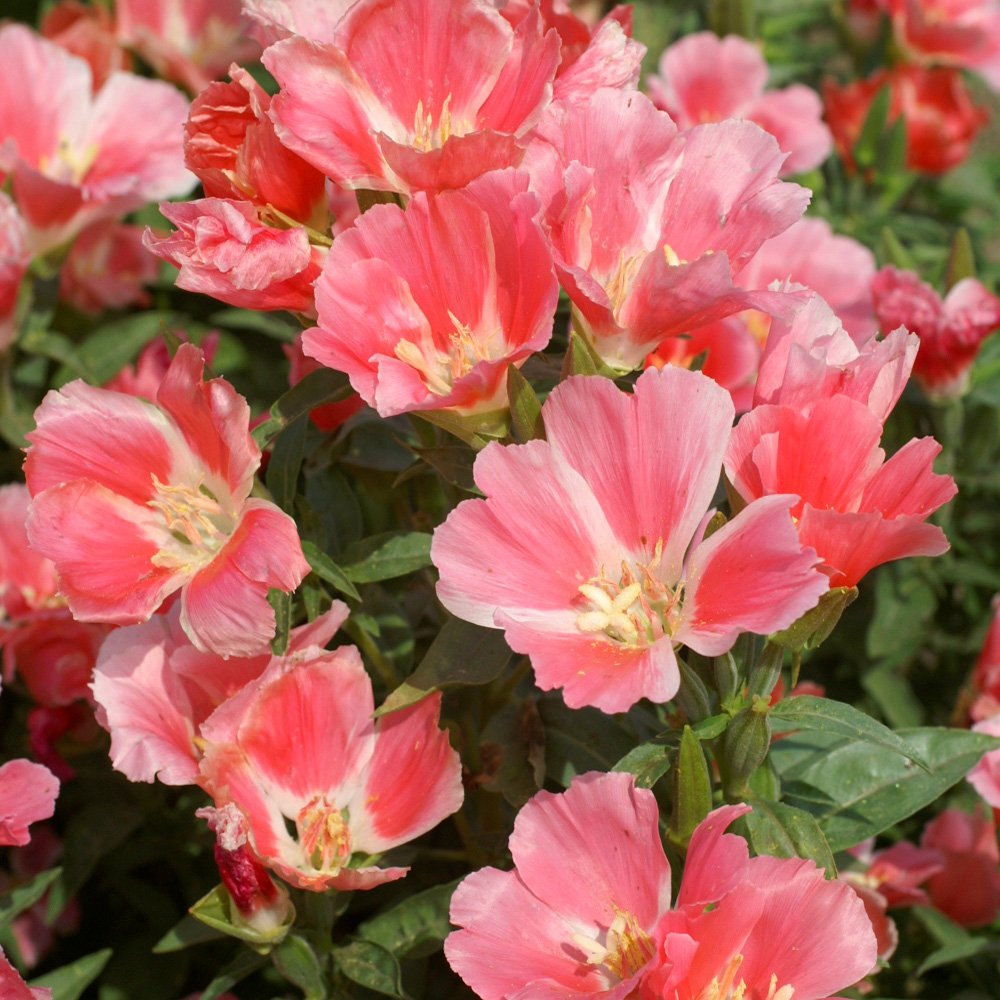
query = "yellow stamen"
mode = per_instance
[{"x": 324, "y": 836}]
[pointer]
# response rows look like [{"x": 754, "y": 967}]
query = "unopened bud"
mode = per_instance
[{"x": 745, "y": 747}]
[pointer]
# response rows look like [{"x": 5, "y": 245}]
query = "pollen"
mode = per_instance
[
  {"x": 323, "y": 835},
  {"x": 196, "y": 525},
  {"x": 627, "y": 948}
]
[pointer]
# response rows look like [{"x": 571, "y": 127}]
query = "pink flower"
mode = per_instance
[
  {"x": 231, "y": 146},
  {"x": 154, "y": 690},
  {"x": 425, "y": 309},
  {"x": 413, "y": 95},
  {"x": 950, "y": 331},
  {"x": 27, "y": 794},
  {"x": 14, "y": 987},
  {"x": 14, "y": 261},
  {"x": 191, "y": 42},
  {"x": 817, "y": 433},
  {"x": 331, "y": 415},
  {"x": 133, "y": 501},
  {"x": 964, "y": 33},
  {"x": 986, "y": 674},
  {"x": 762, "y": 927},
  {"x": 74, "y": 158},
  {"x": 298, "y": 749},
  {"x": 86, "y": 31},
  {"x": 144, "y": 377},
  {"x": 967, "y": 889},
  {"x": 588, "y": 550},
  {"x": 704, "y": 78},
  {"x": 649, "y": 225},
  {"x": 941, "y": 119},
  {"x": 985, "y": 776},
  {"x": 278, "y": 19},
  {"x": 106, "y": 268},
  {"x": 223, "y": 249}
]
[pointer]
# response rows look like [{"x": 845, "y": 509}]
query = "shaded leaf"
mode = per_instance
[
  {"x": 69, "y": 982},
  {"x": 387, "y": 556},
  {"x": 295, "y": 959},
  {"x": 326, "y": 569},
  {"x": 416, "y": 926},
  {"x": 782, "y": 831},
  {"x": 370, "y": 965},
  {"x": 19, "y": 899},
  {"x": 319, "y": 387},
  {"x": 525, "y": 408}
]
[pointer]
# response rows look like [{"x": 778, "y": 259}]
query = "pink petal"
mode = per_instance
[
  {"x": 752, "y": 575},
  {"x": 414, "y": 780},
  {"x": 906, "y": 485},
  {"x": 716, "y": 861},
  {"x": 27, "y": 794},
  {"x": 13, "y": 987},
  {"x": 794, "y": 116}
]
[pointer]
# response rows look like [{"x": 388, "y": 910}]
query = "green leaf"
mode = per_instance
[
  {"x": 783, "y": 831},
  {"x": 185, "y": 933},
  {"x": 961, "y": 260},
  {"x": 387, "y": 556},
  {"x": 826, "y": 716},
  {"x": 55, "y": 346},
  {"x": 891, "y": 251},
  {"x": 692, "y": 788},
  {"x": 580, "y": 740},
  {"x": 319, "y": 387},
  {"x": 866, "y": 148},
  {"x": 244, "y": 964},
  {"x": 525, "y": 409},
  {"x": 414, "y": 927},
  {"x": 326, "y": 569},
  {"x": 282, "y": 605},
  {"x": 648, "y": 762},
  {"x": 512, "y": 747},
  {"x": 816, "y": 625},
  {"x": 955, "y": 941},
  {"x": 463, "y": 654},
  {"x": 17, "y": 900},
  {"x": 295, "y": 959},
  {"x": 69, "y": 982},
  {"x": 370, "y": 965},
  {"x": 855, "y": 790},
  {"x": 286, "y": 460},
  {"x": 580, "y": 359}
]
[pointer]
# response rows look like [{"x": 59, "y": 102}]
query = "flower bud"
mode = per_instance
[{"x": 745, "y": 747}]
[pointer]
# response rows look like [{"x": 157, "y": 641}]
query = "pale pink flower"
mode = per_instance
[
  {"x": 315, "y": 20},
  {"x": 191, "y": 42},
  {"x": 154, "y": 689},
  {"x": 223, "y": 249},
  {"x": 106, "y": 268},
  {"x": 964, "y": 33},
  {"x": 967, "y": 888},
  {"x": 588, "y": 550},
  {"x": 425, "y": 309},
  {"x": 298, "y": 749},
  {"x": 13, "y": 987},
  {"x": 704, "y": 78},
  {"x": 650, "y": 226},
  {"x": 985, "y": 776},
  {"x": 14, "y": 260},
  {"x": 950, "y": 330},
  {"x": 87, "y": 31},
  {"x": 76, "y": 158},
  {"x": 27, "y": 794},
  {"x": 229, "y": 143},
  {"x": 144, "y": 377},
  {"x": 133, "y": 501},
  {"x": 761, "y": 927},
  {"x": 413, "y": 95}
]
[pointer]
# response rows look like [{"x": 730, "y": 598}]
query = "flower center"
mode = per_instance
[
  {"x": 441, "y": 369},
  {"x": 324, "y": 836},
  {"x": 425, "y": 135},
  {"x": 635, "y": 610},
  {"x": 727, "y": 988},
  {"x": 196, "y": 525},
  {"x": 68, "y": 164},
  {"x": 626, "y": 949}
]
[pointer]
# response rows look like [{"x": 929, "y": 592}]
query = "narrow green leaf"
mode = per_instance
[
  {"x": 55, "y": 346},
  {"x": 286, "y": 460},
  {"x": 185, "y": 933},
  {"x": 891, "y": 251},
  {"x": 855, "y": 790},
  {"x": 783, "y": 831},
  {"x": 827, "y": 716},
  {"x": 462, "y": 654},
  {"x": 387, "y": 556},
  {"x": 692, "y": 788},
  {"x": 282, "y": 605},
  {"x": 961, "y": 260},
  {"x": 414, "y": 927},
  {"x": 525, "y": 409},
  {"x": 326, "y": 569},
  {"x": 371, "y": 966},
  {"x": 69, "y": 982},
  {"x": 866, "y": 148},
  {"x": 17, "y": 900},
  {"x": 319, "y": 387},
  {"x": 295, "y": 959},
  {"x": 244, "y": 964}
]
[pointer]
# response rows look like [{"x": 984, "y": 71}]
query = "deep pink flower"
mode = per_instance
[
  {"x": 191, "y": 42},
  {"x": 588, "y": 550},
  {"x": 27, "y": 794},
  {"x": 223, "y": 249},
  {"x": 762, "y": 927},
  {"x": 649, "y": 225},
  {"x": 106, "y": 268},
  {"x": 985, "y": 776},
  {"x": 967, "y": 889},
  {"x": 133, "y": 501},
  {"x": 704, "y": 78},
  {"x": 13, "y": 987},
  {"x": 75, "y": 158},
  {"x": 14, "y": 260},
  {"x": 299, "y": 748},
  {"x": 986, "y": 673},
  {"x": 950, "y": 331},
  {"x": 144, "y": 377},
  {"x": 425, "y": 309},
  {"x": 963, "y": 33},
  {"x": 413, "y": 95},
  {"x": 154, "y": 689}
]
